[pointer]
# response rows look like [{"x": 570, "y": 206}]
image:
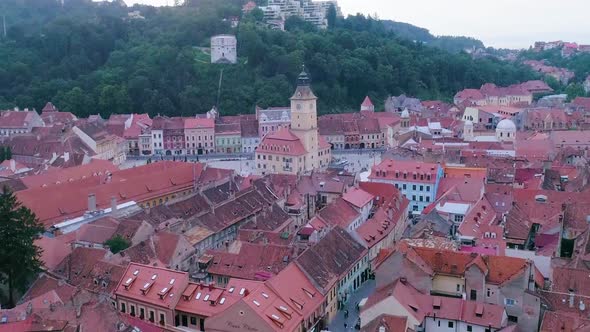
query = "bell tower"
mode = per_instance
[{"x": 304, "y": 121}]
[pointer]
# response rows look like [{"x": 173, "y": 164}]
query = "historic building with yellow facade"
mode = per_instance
[{"x": 299, "y": 149}]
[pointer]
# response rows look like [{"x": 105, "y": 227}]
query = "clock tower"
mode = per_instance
[{"x": 304, "y": 120}]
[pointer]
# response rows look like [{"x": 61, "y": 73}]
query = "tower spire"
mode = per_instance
[{"x": 303, "y": 79}]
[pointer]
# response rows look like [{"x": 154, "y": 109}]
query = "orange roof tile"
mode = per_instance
[{"x": 153, "y": 285}]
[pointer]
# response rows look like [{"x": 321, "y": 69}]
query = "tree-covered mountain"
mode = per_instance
[
  {"x": 91, "y": 58},
  {"x": 453, "y": 44}
]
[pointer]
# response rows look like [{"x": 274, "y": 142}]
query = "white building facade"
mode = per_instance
[{"x": 224, "y": 49}]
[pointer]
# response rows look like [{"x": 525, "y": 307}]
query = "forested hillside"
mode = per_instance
[{"x": 89, "y": 58}]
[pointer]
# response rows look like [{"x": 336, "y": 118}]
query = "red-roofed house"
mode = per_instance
[
  {"x": 491, "y": 279},
  {"x": 200, "y": 133},
  {"x": 418, "y": 181},
  {"x": 360, "y": 200},
  {"x": 151, "y": 293},
  {"x": 432, "y": 313},
  {"x": 18, "y": 122},
  {"x": 149, "y": 186}
]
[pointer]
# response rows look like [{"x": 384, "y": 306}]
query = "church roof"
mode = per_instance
[
  {"x": 367, "y": 102},
  {"x": 282, "y": 142}
]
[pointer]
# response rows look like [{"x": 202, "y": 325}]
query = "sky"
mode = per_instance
[{"x": 498, "y": 23}]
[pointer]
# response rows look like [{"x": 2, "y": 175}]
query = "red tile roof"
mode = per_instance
[
  {"x": 198, "y": 123},
  {"x": 252, "y": 262},
  {"x": 55, "y": 249},
  {"x": 422, "y": 305},
  {"x": 206, "y": 300},
  {"x": 70, "y": 200},
  {"x": 358, "y": 197},
  {"x": 386, "y": 323},
  {"x": 367, "y": 102},
  {"x": 387, "y": 169},
  {"x": 155, "y": 286},
  {"x": 16, "y": 119},
  {"x": 339, "y": 212},
  {"x": 292, "y": 283},
  {"x": 498, "y": 269},
  {"x": 96, "y": 168},
  {"x": 282, "y": 142}
]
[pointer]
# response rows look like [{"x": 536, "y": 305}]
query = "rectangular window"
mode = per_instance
[
  {"x": 123, "y": 308},
  {"x": 414, "y": 197},
  {"x": 428, "y": 198},
  {"x": 420, "y": 198},
  {"x": 509, "y": 302},
  {"x": 513, "y": 319},
  {"x": 489, "y": 292},
  {"x": 469, "y": 328},
  {"x": 421, "y": 188},
  {"x": 458, "y": 288},
  {"x": 162, "y": 319},
  {"x": 184, "y": 320},
  {"x": 152, "y": 316},
  {"x": 132, "y": 312},
  {"x": 404, "y": 186},
  {"x": 451, "y": 325},
  {"x": 141, "y": 313},
  {"x": 414, "y": 187},
  {"x": 428, "y": 188}
]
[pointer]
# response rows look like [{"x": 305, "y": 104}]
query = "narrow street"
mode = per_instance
[{"x": 338, "y": 323}]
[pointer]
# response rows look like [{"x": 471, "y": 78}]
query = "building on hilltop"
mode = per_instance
[
  {"x": 224, "y": 49},
  {"x": 315, "y": 12},
  {"x": 299, "y": 149}
]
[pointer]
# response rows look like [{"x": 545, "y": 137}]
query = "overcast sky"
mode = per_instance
[{"x": 498, "y": 23}]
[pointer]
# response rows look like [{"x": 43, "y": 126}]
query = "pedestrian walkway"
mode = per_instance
[{"x": 337, "y": 323}]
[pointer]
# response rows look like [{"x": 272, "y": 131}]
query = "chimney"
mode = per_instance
[
  {"x": 66, "y": 156},
  {"x": 113, "y": 205},
  {"x": 571, "y": 298},
  {"x": 12, "y": 165},
  {"x": 91, "y": 202}
]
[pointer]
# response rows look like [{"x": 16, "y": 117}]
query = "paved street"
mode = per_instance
[
  {"x": 338, "y": 323},
  {"x": 244, "y": 164}
]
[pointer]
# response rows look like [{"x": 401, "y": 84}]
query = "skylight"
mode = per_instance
[
  {"x": 172, "y": 281},
  {"x": 198, "y": 296},
  {"x": 231, "y": 289},
  {"x": 256, "y": 302},
  {"x": 154, "y": 277},
  {"x": 265, "y": 295},
  {"x": 242, "y": 291},
  {"x": 222, "y": 301},
  {"x": 206, "y": 298}
]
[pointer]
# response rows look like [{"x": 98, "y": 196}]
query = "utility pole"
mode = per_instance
[
  {"x": 219, "y": 89},
  {"x": 4, "y": 25}
]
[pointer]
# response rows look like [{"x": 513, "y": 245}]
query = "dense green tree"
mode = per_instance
[
  {"x": 19, "y": 256},
  {"x": 89, "y": 58},
  {"x": 574, "y": 90},
  {"x": 331, "y": 16},
  {"x": 117, "y": 243}
]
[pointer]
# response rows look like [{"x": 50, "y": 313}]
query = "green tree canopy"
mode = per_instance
[
  {"x": 19, "y": 256},
  {"x": 117, "y": 243}
]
